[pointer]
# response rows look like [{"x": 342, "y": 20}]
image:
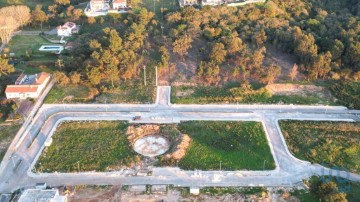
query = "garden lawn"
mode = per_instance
[
  {"x": 7, "y": 133},
  {"x": 218, "y": 94},
  {"x": 238, "y": 145},
  {"x": 19, "y": 44},
  {"x": 96, "y": 145},
  {"x": 328, "y": 143}
]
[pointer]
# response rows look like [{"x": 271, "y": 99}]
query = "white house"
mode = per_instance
[
  {"x": 28, "y": 86},
  {"x": 117, "y": 4},
  {"x": 212, "y": 2},
  {"x": 50, "y": 195},
  {"x": 98, "y": 5},
  {"x": 67, "y": 29}
]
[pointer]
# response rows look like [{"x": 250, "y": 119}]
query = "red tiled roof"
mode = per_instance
[
  {"x": 40, "y": 78},
  {"x": 21, "y": 88}
]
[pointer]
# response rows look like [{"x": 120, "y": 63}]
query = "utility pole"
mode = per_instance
[
  {"x": 220, "y": 166},
  {"x": 144, "y": 75},
  {"x": 154, "y": 6},
  {"x": 156, "y": 75}
]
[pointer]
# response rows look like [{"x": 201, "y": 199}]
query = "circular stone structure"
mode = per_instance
[{"x": 151, "y": 145}]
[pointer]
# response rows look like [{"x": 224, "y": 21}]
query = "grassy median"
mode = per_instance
[
  {"x": 237, "y": 145},
  {"x": 328, "y": 143}
]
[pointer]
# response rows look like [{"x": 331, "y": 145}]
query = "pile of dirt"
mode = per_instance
[
  {"x": 300, "y": 90},
  {"x": 180, "y": 149},
  {"x": 135, "y": 132}
]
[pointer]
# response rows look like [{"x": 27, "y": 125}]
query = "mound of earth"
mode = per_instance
[{"x": 300, "y": 90}]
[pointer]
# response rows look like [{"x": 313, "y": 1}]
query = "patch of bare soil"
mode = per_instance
[
  {"x": 180, "y": 149},
  {"x": 284, "y": 60},
  {"x": 184, "y": 93},
  {"x": 96, "y": 194},
  {"x": 116, "y": 193},
  {"x": 136, "y": 132},
  {"x": 300, "y": 90}
]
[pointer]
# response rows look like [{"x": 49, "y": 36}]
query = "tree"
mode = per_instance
[
  {"x": 61, "y": 78},
  {"x": 75, "y": 77},
  {"x": 165, "y": 56},
  {"x": 38, "y": 15},
  {"x": 270, "y": 74},
  {"x": 234, "y": 45},
  {"x": 22, "y": 14},
  {"x": 5, "y": 67},
  {"x": 181, "y": 45},
  {"x": 294, "y": 71},
  {"x": 218, "y": 53},
  {"x": 260, "y": 38},
  {"x": 91, "y": 20},
  {"x": 112, "y": 74},
  {"x": 321, "y": 66},
  {"x": 62, "y": 2},
  {"x": 115, "y": 41},
  {"x": 94, "y": 75},
  {"x": 7, "y": 26}
]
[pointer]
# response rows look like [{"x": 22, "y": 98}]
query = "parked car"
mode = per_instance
[{"x": 136, "y": 118}]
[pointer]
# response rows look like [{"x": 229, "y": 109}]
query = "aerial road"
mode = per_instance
[{"x": 16, "y": 169}]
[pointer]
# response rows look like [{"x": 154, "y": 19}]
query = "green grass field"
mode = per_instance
[
  {"x": 328, "y": 143},
  {"x": 96, "y": 145},
  {"x": 216, "y": 94},
  {"x": 19, "y": 44},
  {"x": 68, "y": 94},
  {"x": 238, "y": 145},
  {"x": 30, "y": 3},
  {"x": 6, "y": 135},
  {"x": 100, "y": 145},
  {"x": 348, "y": 94}
]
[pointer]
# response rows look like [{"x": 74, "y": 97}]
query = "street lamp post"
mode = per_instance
[
  {"x": 144, "y": 75},
  {"x": 156, "y": 75}
]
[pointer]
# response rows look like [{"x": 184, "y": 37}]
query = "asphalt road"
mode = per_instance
[{"x": 16, "y": 168}]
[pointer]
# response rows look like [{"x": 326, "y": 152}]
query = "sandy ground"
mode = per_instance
[
  {"x": 118, "y": 194},
  {"x": 301, "y": 90}
]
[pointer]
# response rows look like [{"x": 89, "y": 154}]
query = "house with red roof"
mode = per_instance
[{"x": 28, "y": 86}]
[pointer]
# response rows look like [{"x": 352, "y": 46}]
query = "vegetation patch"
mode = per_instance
[
  {"x": 348, "y": 94},
  {"x": 108, "y": 145},
  {"x": 97, "y": 145},
  {"x": 244, "y": 93},
  {"x": 8, "y": 132},
  {"x": 234, "y": 145},
  {"x": 70, "y": 94},
  {"x": 329, "y": 143},
  {"x": 328, "y": 188}
]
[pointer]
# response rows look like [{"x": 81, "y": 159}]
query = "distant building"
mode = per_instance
[
  {"x": 67, "y": 29},
  {"x": 99, "y": 5},
  {"x": 117, "y": 4},
  {"x": 40, "y": 195},
  {"x": 28, "y": 86},
  {"x": 212, "y": 2},
  {"x": 188, "y": 2}
]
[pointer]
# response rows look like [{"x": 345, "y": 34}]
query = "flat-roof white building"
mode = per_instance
[{"x": 40, "y": 195}]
